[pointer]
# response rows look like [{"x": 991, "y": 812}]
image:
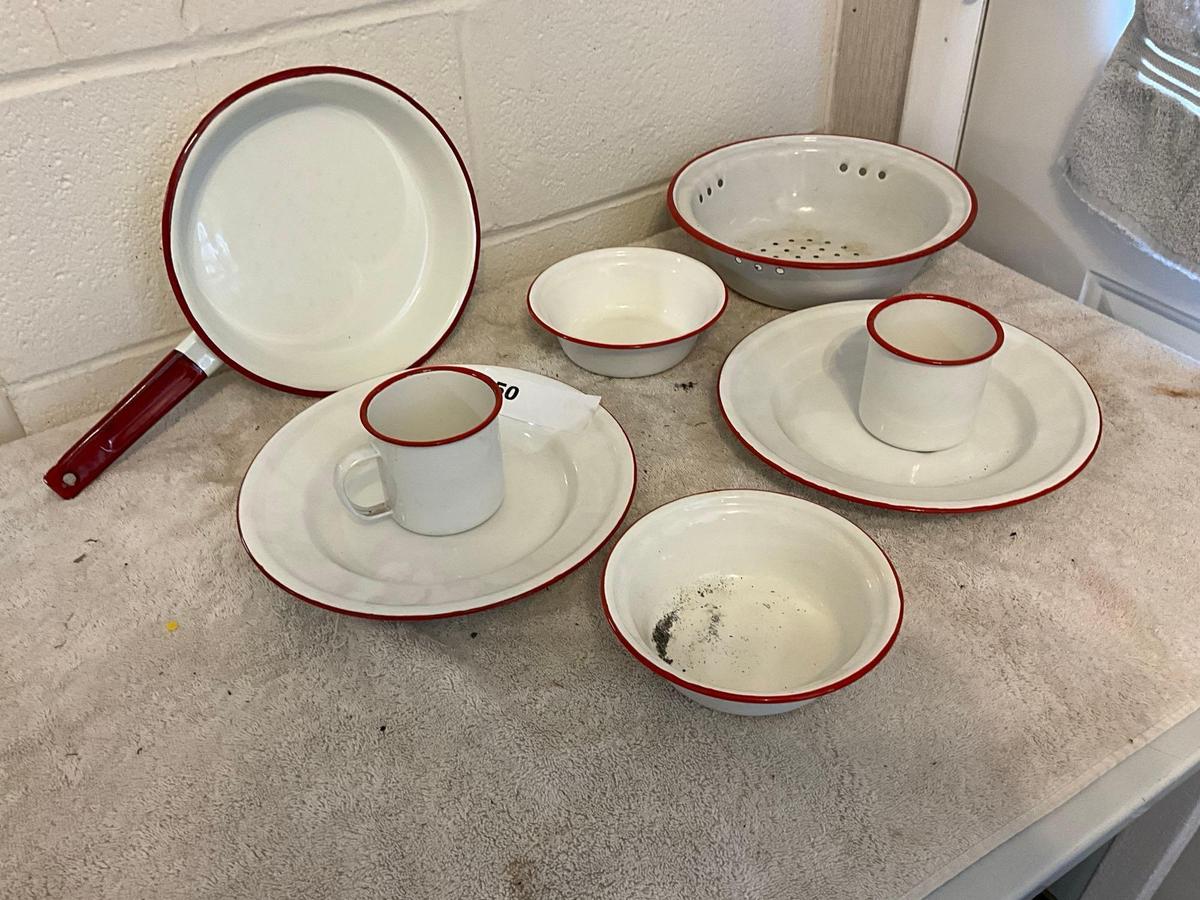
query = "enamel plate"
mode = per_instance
[
  {"x": 790, "y": 391},
  {"x": 566, "y": 493}
]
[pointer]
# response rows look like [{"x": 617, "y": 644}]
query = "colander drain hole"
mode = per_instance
[
  {"x": 862, "y": 170},
  {"x": 801, "y": 248}
]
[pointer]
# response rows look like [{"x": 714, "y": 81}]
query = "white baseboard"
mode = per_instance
[
  {"x": 1175, "y": 328},
  {"x": 527, "y": 249},
  {"x": 10, "y": 425}
]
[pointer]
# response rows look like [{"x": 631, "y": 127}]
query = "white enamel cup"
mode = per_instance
[
  {"x": 435, "y": 439},
  {"x": 928, "y": 358}
]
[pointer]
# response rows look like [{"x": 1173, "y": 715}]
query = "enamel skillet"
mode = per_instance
[{"x": 319, "y": 228}]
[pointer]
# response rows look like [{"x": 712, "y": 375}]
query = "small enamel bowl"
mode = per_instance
[
  {"x": 627, "y": 311},
  {"x": 751, "y": 602}
]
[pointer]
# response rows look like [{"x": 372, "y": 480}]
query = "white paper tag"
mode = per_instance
[{"x": 541, "y": 401}]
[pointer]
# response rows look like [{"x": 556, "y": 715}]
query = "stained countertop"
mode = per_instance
[{"x": 172, "y": 724}]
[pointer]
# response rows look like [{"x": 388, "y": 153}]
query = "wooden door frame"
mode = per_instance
[
  {"x": 872, "y": 46},
  {"x": 903, "y": 69}
]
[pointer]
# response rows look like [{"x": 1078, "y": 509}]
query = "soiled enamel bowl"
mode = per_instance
[
  {"x": 627, "y": 311},
  {"x": 752, "y": 602},
  {"x": 801, "y": 219}
]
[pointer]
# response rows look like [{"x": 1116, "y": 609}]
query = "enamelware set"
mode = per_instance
[{"x": 336, "y": 266}]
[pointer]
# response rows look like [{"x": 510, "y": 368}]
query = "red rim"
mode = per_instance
[
  {"x": 798, "y": 264},
  {"x": 931, "y": 360},
  {"x": 904, "y": 507},
  {"x": 177, "y": 174},
  {"x": 400, "y": 442},
  {"x": 607, "y": 346},
  {"x": 420, "y": 617},
  {"x": 755, "y": 698}
]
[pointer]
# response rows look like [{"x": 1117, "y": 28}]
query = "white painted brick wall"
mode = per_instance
[
  {"x": 563, "y": 109},
  {"x": 576, "y": 101}
]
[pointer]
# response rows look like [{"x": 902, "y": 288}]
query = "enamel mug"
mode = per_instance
[
  {"x": 928, "y": 357},
  {"x": 435, "y": 440}
]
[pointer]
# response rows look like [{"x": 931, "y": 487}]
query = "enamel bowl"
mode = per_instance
[
  {"x": 751, "y": 602},
  {"x": 801, "y": 219},
  {"x": 627, "y": 311}
]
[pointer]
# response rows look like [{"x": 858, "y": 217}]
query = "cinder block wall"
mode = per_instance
[{"x": 571, "y": 115}]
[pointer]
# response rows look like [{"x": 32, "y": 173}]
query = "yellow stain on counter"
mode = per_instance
[{"x": 172, "y": 625}]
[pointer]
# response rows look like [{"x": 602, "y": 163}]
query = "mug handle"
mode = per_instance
[{"x": 349, "y": 463}]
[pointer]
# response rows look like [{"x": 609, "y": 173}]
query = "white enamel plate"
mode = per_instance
[
  {"x": 790, "y": 391},
  {"x": 566, "y": 493}
]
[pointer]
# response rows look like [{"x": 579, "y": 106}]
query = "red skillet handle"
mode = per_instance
[{"x": 168, "y": 383}]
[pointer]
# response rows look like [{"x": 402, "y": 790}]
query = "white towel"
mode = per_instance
[{"x": 1134, "y": 156}]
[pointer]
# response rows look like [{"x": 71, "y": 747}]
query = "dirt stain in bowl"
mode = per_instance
[
  {"x": 692, "y": 599},
  {"x": 662, "y": 634},
  {"x": 755, "y": 633}
]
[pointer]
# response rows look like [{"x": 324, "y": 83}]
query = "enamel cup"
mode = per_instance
[
  {"x": 435, "y": 440},
  {"x": 928, "y": 358}
]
